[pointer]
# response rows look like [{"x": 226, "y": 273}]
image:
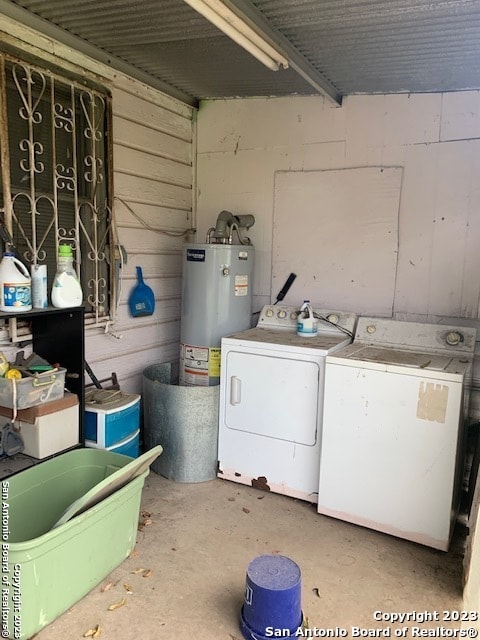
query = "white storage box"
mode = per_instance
[
  {"x": 48, "y": 428},
  {"x": 32, "y": 390}
]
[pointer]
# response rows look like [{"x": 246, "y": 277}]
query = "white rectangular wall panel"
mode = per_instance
[{"x": 338, "y": 231}]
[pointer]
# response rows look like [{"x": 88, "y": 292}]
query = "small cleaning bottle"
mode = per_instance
[
  {"x": 66, "y": 289},
  {"x": 39, "y": 286},
  {"x": 306, "y": 321}
]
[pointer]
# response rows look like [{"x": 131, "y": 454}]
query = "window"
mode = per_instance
[{"x": 55, "y": 188}]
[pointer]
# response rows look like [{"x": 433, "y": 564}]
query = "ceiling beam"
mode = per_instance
[{"x": 250, "y": 14}]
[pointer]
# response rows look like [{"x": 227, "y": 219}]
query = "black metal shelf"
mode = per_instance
[{"x": 58, "y": 335}]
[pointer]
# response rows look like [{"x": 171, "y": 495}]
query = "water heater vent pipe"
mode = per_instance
[{"x": 226, "y": 223}]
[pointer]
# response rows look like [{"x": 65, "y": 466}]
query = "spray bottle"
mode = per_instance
[
  {"x": 306, "y": 321},
  {"x": 66, "y": 289}
]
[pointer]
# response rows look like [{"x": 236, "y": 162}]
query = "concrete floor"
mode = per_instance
[{"x": 200, "y": 541}]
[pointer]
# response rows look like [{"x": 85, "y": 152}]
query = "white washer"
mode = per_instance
[
  {"x": 271, "y": 400},
  {"x": 393, "y": 426}
]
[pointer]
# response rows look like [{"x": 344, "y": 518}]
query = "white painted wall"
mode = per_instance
[
  {"x": 434, "y": 137},
  {"x": 152, "y": 162}
]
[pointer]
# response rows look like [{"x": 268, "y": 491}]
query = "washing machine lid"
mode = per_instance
[{"x": 414, "y": 362}]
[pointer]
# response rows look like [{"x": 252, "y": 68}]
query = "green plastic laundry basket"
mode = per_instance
[{"x": 46, "y": 570}]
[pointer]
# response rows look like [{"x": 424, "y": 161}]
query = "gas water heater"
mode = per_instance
[{"x": 216, "y": 297}]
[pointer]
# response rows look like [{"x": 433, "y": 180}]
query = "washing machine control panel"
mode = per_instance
[{"x": 419, "y": 336}]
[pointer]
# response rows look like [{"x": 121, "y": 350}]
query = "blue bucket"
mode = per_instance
[{"x": 272, "y": 598}]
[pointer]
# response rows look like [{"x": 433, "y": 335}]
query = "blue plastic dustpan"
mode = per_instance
[{"x": 142, "y": 300}]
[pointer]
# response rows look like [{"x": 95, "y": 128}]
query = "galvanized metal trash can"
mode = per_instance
[{"x": 184, "y": 421}]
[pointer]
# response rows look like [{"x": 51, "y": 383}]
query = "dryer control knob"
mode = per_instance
[
  {"x": 282, "y": 314},
  {"x": 371, "y": 328},
  {"x": 453, "y": 338},
  {"x": 333, "y": 318},
  {"x": 269, "y": 313}
]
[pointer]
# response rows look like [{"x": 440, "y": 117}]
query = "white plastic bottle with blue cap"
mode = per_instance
[
  {"x": 15, "y": 285},
  {"x": 306, "y": 321}
]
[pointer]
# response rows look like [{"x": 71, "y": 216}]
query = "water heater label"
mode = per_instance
[
  {"x": 195, "y": 255},
  {"x": 197, "y": 353},
  {"x": 241, "y": 285},
  {"x": 199, "y": 364},
  {"x": 214, "y": 364}
]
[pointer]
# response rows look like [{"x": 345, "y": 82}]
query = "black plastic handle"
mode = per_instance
[{"x": 286, "y": 287}]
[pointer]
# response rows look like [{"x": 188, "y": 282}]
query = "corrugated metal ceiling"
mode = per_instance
[{"x": 359, "y": 46}]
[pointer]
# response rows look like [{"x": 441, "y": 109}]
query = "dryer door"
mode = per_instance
[{"x": 272, "y": 396}]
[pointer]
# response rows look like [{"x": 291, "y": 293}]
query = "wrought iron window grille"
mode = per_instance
[{"x": 56, "y": 184}]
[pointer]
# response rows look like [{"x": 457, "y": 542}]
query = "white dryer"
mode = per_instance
[
  {"x": 271, "y": 400},
  {"x": 393, "y": 427}
]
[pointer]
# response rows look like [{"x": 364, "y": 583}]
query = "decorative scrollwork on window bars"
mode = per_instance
[{"x": 57, "y": 149}]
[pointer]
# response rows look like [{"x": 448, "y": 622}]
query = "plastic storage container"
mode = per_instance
[
  {"x": 112, "y": 421},
  {"x": 129, "y": 446},
  {"x": 33, "y": 390},
  {"x": 49, "y": 569},
  {"x": 47, "y": 428}
]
